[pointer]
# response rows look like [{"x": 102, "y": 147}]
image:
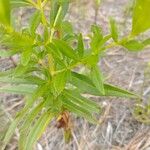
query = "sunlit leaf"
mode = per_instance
[
  {"x": 5, "y": 12},
  {"x": 80, "y": 47},
  {"x": 141, "y": 16}
]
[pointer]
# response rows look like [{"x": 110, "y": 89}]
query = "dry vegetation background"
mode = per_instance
[{"x": 119, "y": 130}]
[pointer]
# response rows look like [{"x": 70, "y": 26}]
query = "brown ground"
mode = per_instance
[{"x": 119, "y": 130}]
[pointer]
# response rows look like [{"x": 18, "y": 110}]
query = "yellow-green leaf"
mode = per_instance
[
  {"x": 133, "y": 45},
  {"x": 5, "y": 12},
  {"x": 141, "y": 16}
]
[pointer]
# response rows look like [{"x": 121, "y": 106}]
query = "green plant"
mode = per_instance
[{"x": 47, "y": 72}]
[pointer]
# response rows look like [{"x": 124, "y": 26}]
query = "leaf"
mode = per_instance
[
  {"x": 46, "y": 34},
  {"x": 146, "y": 42},
  {"x": 20, "y": 89},
  {"x": 37, "y": 130},
  {"x": 6, "y": 79},
  {"x": 35, "y": 21},
  {"x": 91, "y": 60},
  {"x": 69, "y": 105},
  {"x": 65, "y": 49},
  {"x": 19, "y": 3},
  {"x": 141, "y": 16},
  {"x": 59, "y": 82},
  {"x": 38, "y": 93},
  {"x": 55, "y": 6},
  {"x": 18, "y": 41},
  {"x": 20, "y": 70},
  {"x": 9, "y": 133},
  {"x": 81, "y": 101},
  {"x": 5, "y": 12},
  {"x": 19, "y": 117},
  {"x": 114, "y": 30},
  {"x": 96, "y": 39},
  {"x": 97, "y": 79},
  {"x": 8, "y": 53},
  {"x": 27, "y": 80},
  {"x": 32, "y": 115},
  {"x": 85, "y": 85},
  {"x": 111, "y": 90},
  {"x": 25, "y": 57},
  {"x": 80, "y": 47},
  {"x": 66, "y": 28},
  {"x": 133, "y": 45}
]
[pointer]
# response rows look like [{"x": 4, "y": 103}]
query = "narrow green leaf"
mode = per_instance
[
  {"x": 81, "y": 101},
  {"x": 114, "y": 30},
  {"x": 25, "y": 57},
  {"x": 65, "y": 49},
  {"x": 59, "y": 82},
  {"x": 78, "y": 110},
  {"x": 20, "y": 3},
  {"x": 14, "y": 80},
  {"x": 9, "y": 133},
  {"x": 85, "y": 85},
  {"x": 111, "y": 90},
  {"x": 38, "y": 93},
  {"x": 91, "y": 60},
  {"x": 96, "y": 39},
  {"x": 146, "y": 42},
  {"x": 80, "y": 47},
  {"x": 133, "y": 45},
  {"x": 8, "y": 53},
  {"x": 55, "y": 6},
  {"x": 97, "y": 79},
  {"x": 66, "y": 28},
  {"x": 37, "y": 130},
  {"x": 141, "y": 16},
  {"x": 27, "y": 80},
  {"x": 46, "y": 34},
  {"x": 18, "y": 41},
  {"x": 20, "y": 89},
  {"x": 26, "y": 126},
  {"x": 19, "y": 117},
  {"x": 5, "y": 12},
  {"x": 35, "y": 21},
  {"x": 20, "y": 70}
]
